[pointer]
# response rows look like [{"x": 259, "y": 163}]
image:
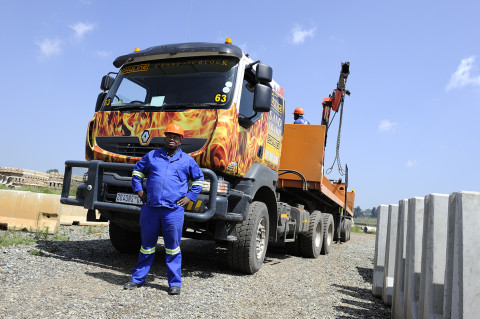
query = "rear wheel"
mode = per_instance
[
  {"x": 344, "y": 231},
  {"x": 247, "y": 253},
  {"x": 328, "y": 230},
  {"x": 349, "y": 228},
  {"x": 311, "y": 242},
  {"x": 124, "y": 240}
]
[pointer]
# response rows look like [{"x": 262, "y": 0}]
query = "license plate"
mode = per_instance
[{"x": 128, "y": 199}]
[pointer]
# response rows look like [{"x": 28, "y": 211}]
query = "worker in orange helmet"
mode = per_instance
[
  {"x": 167, "y": 171},
  {"x": 298, "y": 116}
]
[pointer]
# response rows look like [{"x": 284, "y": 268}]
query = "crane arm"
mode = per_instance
[{"x": 334, "y": 100}]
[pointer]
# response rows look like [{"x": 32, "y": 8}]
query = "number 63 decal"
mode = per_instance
[{"x": 221, "y": 98}]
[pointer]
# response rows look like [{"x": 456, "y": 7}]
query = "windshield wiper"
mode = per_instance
[
  {"x": 164, "y": 107},
  {"x": 133, "y": 107},
  {"x": 188, "y": 105}
]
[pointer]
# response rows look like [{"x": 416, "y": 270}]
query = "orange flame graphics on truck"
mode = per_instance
[{"x": 229, "y": 147}]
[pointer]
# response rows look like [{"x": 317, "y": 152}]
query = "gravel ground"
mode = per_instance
[{"x": 84, "y": 276}]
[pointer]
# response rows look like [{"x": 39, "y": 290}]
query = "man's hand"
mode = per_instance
[
  {"x": 183, "y": 201},
  {"x": 143, "y": 196}
]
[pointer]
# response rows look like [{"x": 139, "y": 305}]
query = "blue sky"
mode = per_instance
[{"x": 409, "y": 127}]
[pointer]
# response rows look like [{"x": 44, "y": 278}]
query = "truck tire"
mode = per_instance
[
  {"x": 124, "y": 240},
  {"x": 344, "y": 231},
  {"x": 247, "y": 253},
  {"x": 349, "y": 228},
  {"x": 328, "y": 233},
  {"x": 311, "y": 242},
  {"x": 293, "y": 248}
]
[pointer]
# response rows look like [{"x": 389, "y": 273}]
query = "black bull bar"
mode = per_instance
[{"x": 94, "y": 184}]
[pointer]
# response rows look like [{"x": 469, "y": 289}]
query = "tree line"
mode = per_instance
[{"x": 367, "y": 213}]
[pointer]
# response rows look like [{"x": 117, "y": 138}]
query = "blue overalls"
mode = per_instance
[
  {"x": 167, "y": 182},
  {"x": 301, "y": 120}
]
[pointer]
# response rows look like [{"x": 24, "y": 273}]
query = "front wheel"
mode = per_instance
[
  {"x": 247, "y": 253},
  {"x": 124, "y": 240}
]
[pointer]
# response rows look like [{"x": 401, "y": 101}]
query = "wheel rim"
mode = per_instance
[
  {"x": 318, "y": 238},
  {"x": 261, "y": 238}
]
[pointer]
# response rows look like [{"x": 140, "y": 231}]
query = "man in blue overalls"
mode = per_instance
[
  {"x": 298, "y": 116},
  {"x": 168, "y": 171}
]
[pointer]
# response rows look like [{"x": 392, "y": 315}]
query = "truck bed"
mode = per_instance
[{"x": 302, "y": 165}]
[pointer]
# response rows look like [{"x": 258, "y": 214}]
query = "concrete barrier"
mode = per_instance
[
  {"x": 462, "y": 284},
  {"x": 77, "y": 215},
  {"x": 413, "y": 256},
  {"x": 29, "y": 211},
  {"x": 399, "y": 279},
  {"x": 390, "y": 251},
  {"x": 436, "y": 252},
  {"x": 434, "y": 247},
  {"x": 380, "y": 243}
]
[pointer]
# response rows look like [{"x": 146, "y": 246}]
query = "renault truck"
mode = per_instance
[{"x": 264, "y": 179}]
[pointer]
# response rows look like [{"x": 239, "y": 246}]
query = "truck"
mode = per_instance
[{"x": 264, "y": 179}]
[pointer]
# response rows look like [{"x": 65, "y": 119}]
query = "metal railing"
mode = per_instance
[{"x": 94, "y": 184}]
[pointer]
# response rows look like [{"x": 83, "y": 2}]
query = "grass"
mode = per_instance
[
  {"x": 366, "y": 221},
  {"x": 14, "y": 237},
  {"x": 59, "y": 237},
  {"x": 93, "y": 230},
  {"x": 39, "y": 233},
  {"x": 42, "y": 190},
  {"x": 356, "y": 229},
  {"x": 35, "y": 252}
]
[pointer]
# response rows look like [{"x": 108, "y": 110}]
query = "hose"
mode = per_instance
[{"x": 337, "y": 155}]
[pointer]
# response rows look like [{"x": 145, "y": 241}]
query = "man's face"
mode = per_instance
[
  {"x": 296, "y": 116},
  {"x": 172, "y": 141}
]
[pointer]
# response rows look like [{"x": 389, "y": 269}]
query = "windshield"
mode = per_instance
[{"x": 174, "y": 85}]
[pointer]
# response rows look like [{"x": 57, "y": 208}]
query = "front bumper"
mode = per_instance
[{"x": 101, "y": 184}]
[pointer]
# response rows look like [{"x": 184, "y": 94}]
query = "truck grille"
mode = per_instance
[
  {"x": 136, "y": 150},
  {"x": 130, "y": 146}
]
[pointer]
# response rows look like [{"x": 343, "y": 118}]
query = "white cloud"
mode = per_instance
[
  {"x": 81, "y": 29},
  {"x": 462, "y": 76},
  {"x": 411, "y": 163},
  {"x": 298, "y": 35},
  {"x": 50, "y": 47},
  {"x": 386, "y": 125}
]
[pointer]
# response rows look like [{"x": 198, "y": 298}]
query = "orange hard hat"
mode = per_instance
[
  {"x": 299, "y": 110},
  {"x": 175, "y": 129}
]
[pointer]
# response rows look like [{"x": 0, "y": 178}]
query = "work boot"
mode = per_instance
[
  {"x": 131, "y": 285},
  {"x": 174, "y": 290}
]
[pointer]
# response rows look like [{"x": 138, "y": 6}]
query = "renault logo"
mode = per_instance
[{"x": 145, "y": 136}]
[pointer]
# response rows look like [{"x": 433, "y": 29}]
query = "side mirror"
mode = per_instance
[
  {"x": 262, "y": 99},
  {"x": 264, "y": 73},
  {"x": 107, "y": 82},
  {"x": 100, "y": 99}
]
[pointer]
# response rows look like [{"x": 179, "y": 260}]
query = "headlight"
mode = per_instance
[{"x": 222, "y": 189}]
